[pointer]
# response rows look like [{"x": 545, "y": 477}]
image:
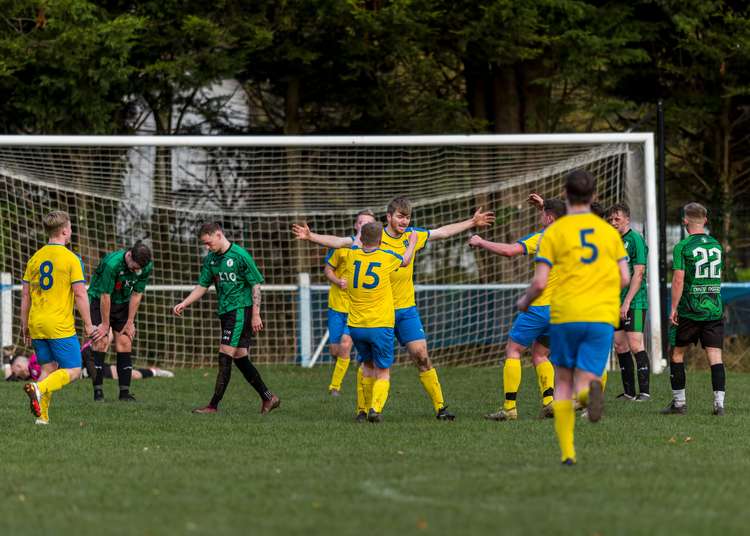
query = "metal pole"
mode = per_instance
[{"x": 662, "y": 225}]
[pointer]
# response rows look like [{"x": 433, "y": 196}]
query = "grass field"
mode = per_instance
[{"x": 154, "y": 468}]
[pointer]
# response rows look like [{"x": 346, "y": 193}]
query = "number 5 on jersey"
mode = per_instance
[{"x": 588, "y": 245}]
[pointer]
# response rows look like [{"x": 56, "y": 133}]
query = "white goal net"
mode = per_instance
[{"x": 122, "y": 189}]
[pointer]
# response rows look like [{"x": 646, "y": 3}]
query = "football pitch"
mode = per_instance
[{"x": 153, "y": 468}]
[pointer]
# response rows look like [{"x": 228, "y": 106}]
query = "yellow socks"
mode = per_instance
[
  {"x": 604, "y": 380},
  {"x": 565, "y": 420},
  {"x": 545, "y": 375},
  {"x": 54, "y": 382},
  {"x": 361, "y": 406},
  {"x": 511, "y": 382},
  {"x": 583, "y": 397},
  {"x": 44, "y": 405},
  {"x": 431, "y": 384},
  {"x": 367, "y": 390},
  {"x": 380, "y": 394},
  {"x": 339, "y": 371}
]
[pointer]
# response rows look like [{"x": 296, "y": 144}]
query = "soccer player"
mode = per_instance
[
  {"x": 338, "y": 306},
  {"x": 591, "y": 265},
  {"x": 116, "y": 291},
  {"x": 52, "y": 283},
  {"x": 372, "y": 314},
  {"x": 629, "y": 333},
  {"x": 232, "y": 270},
  {"x": 697, "y": 309},
  {"x": 531, "y": 328},
  {"x": 408, "y": 327}
]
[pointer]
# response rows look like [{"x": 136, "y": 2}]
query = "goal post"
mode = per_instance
[{"x": 119, "y": 189}]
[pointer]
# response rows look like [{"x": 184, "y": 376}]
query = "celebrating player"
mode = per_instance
[
  {"x": 372, "y": 314},
  {"x": 338, "y": 307},
  {"x": 531, "y": 328},
  {"x": 591, "y": 265},
  {"x": 697, "y": 309},
  {"x": 52, "y": 282},
  {"x": 116, "y": 291},
  {"x": 629, "y": 333},
  {"x": 408, "y": 328},
  {"x": 237, "y": 279}
]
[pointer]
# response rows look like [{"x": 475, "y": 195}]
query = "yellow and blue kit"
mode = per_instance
[
  {"x": 338, "y": 299},
  {"x": 585, "y": 305}
]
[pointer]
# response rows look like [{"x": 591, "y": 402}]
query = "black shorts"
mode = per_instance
[
  {"x": 635, "y": 321},
  {"x": 236, "y": 328},
  {"x": 118, "y": 314},
  {"x": 710, "y": 333}
]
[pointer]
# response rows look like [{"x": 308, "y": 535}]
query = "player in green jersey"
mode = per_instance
[
  {"x": 697, "y": 310},
  {"x": 116, "y": 291},
  {"x": 237, "y": 280},
  {"x": 629, "y": 334}
]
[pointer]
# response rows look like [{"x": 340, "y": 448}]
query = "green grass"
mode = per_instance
[{"x": 154, "y": 468}]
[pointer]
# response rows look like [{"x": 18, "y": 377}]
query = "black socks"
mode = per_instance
[
  {"x": 222, "y": 379},
  {"x": 253, "y": 377}
]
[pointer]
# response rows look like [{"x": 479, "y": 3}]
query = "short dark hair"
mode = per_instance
[
  {"x": 210, "y": 227},
  {"x": 619, "y": 207},
  {"x": 400, "y": 204},
  {"x": 695, "y": 211},
  {"x": 371, "y": 233},
  {"x": 141, "y": 254},
  {"x": 555, "y": 206},
  {"x": 598, "y": 209},
  {"x": 580, "y": 186},
  {"x": 366, "y": 212}
]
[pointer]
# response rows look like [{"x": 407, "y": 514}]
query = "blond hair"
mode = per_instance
[
  {"x": 695, "y": 213},
  {"x": 55, "y": 222}
]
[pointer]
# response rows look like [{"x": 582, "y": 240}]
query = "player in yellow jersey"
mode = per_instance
[
  {"x": 338, "y": 306},
  {"x": 531, "y": 328},
  {"x": 591, "y": 264},
  {"x": 371, "y": 312},
  {"x": 52, "y": 283},
  {"x": 408, "y": 329}
]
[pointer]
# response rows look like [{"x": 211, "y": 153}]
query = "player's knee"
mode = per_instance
[
  {"x": 621, "y": 347},
  {"x": 74, "y": 373},
  {"x": 538, "y": 359}
]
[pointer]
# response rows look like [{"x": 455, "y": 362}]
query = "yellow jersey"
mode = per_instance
[
  {"x": 585, "y": 251},
  {"x": 530, "y": 245},
  {"x": 403, "y": 280},
  {"x": 370, "y": 287},
  {"x": 338, "y": 299},
  {"x": 50, "y": 274}
]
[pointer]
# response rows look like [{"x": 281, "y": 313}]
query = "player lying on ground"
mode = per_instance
[
  {"x": 338, "y": 307},
  {"x": 116, "y": 291},
  {"x": 531, "y": 328},
  {"x": 372, "y": 314},
  {"x": 232, "y": 270},
  {"x": 697, "y": 309},
  {"x": 408, "y": 328},
  {"x": 591, "y": 265},
  {"x": 629, "y": 333},
  {"x": 52, "y": 283}
]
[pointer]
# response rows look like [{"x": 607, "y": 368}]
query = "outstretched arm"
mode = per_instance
[
  {"x": 498, "y": 248},
  {"x": 480, "y": 219},
  {"x": 303, "y": 232}
]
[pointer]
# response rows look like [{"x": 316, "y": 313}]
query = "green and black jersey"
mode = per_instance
[
  {"x": 113, "y": 277},
  {"x": 637, "y": 250},
  {"x": 702, "y": 259},
  {"x": 234, "y": 273}
]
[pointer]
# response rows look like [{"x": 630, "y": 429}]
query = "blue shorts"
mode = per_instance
[
  {"x": 409, "y": 326},
  {"x": 336, "y": 326},
  {"x": 66, "y": 352},
  {"x": 530, "y": 326},
  {"x": 374, "y": 345},
  {"x": 581, "y": 345}
]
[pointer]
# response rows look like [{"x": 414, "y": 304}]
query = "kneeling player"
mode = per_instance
[
  {"x": 697, "y": 309},
  {"x": 591, "y": 266},
  {"x": 531, "y": 328},
  {"x": 116, "y": 291},
  {"x": 371, "y": 313},
  {"x": 232, "y": 269}
]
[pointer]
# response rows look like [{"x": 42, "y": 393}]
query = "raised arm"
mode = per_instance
[
  {"x": 303, "y": 232},
  {"x": 498, "y": 248},
  {"x": 480, "y": 219},
  {"x": 195, "y": 295}
]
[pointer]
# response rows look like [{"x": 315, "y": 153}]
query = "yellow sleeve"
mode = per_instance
[
  {"x": 27, "y": 272},
  {"x": 546, "y": 248},
  {"x": 76, "y": 269},
  {"x": 530, "y": 243},
  {"x": 392, "y": 261}
]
